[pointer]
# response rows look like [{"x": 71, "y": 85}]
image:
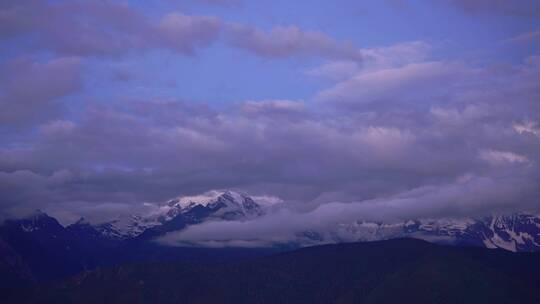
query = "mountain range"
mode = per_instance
[
  {"x": 39, "y": 248},
  {"x": 514, "y": 232}
]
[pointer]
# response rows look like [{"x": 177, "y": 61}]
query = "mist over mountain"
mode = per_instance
[{"x": 38, "y": 248}]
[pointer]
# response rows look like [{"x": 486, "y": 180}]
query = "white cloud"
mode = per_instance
[
  {"x": 497, "y": 157},
  {"x": 290, "y": 41},
  {"x": 466, "y": 196},
  {"x": 337, "y": 70},
  {"x": 272, "y": 106},
  {"x": 527, "y": 127},
  {"x": 416, "y": 79}
]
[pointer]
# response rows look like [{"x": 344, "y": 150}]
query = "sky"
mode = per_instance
[{"x": 338, "y": 109}]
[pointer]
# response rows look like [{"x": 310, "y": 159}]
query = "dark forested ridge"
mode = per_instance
[{"x": 393, "y": 271}]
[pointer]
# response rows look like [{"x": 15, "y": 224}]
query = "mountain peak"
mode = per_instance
[
  {"x": 81, "y": 221},
  {"x": 206, "y": 198},
  {"x": 36, "y": 220},
  {"x": 36, "y": 214},
  {"x": 224, "y": 204},
  {"x": 215, "y": 204}
]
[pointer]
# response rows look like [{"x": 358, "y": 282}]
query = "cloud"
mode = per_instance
[
  {"x": 396, "y": 132},
  {"x": 409, "y": 81},
  {"x": 290, "y": 41},
  {"x": 500, "y": 157},
  {"x": 464, "y": 197},
  {"x": 375, "y": 58},
  {"x": 224, "y": 3},
  {"x": 184, "y": 33},
  {"x": 523, "y": 8},
  {"x": 30, "y": 90},
  {"x": 149, "y": 151},
  {"x": 527, "y": 127},
  {"x": 336, "y": 70},
  {"x": 112, "y": 29},
  {"x": 396, "y": 55},
  {"x": 526, "y": 38},
  {"x": 278, "y": 108},
  {"x": 267, "y": 200},
  {"x": 105, "y": 28}
]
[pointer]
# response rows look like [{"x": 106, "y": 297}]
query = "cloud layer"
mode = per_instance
[
  {"x": 388, "y": 132},
  {"x": 377, "y": 144}
]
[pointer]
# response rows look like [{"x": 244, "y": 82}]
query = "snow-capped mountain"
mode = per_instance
[
  {"x": 517, "y": 232},
  {"x": 51, "y": 250},
  {"x": 125, "y": 227},
  {"x": 212, "y": 205},
  {"x": 227, "y": 205}
]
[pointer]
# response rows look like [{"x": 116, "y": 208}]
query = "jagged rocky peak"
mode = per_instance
[
  {"x": 36, "y": 214},
  {"x": 81, "y": 222},
  {"x": 512, "y": 220},
  {"x": 81, "y": 225},
  {"x": 515, "y": 232}
]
